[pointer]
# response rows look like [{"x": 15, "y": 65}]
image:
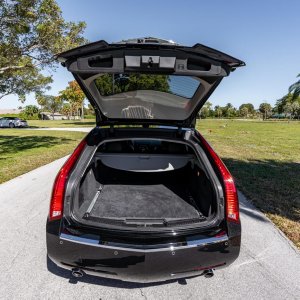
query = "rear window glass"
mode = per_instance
[
  {"x": 146, "y": 96},
  {"x": 111, "y": 84}
]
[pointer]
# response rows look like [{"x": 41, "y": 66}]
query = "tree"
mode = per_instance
[
  {"x": 66, "y": 110},
  {"x": 30, "y": 112},
  {"x": 218, "y": 111},
  {"x": 41, "y": 100},
  {"x": 250, "y": 108},
  {"x": 22, "y": 82},
  {"x": 90, "y": 110},
  {"x": 32, "y": 32},
  {"x": 121, "y": 83},
  {"x": 295, "y": 89},
  {"x": 296, "y": 108},
  {"x": 229, "y": 105},
  {"x": 288, "y": 105},
  {"x": 280, "y": 103},
  {"x": 229, "y": 110},
  {"x": 292, "y": 109},
  {"x": 52, "y": 104},
  {"x": 208, "y": 105},
  {"x": 206, "y": 110},
  {"x": 265, "y": 109},
  {"x": 243, "y": 111},
  {"x": 74, "y": 95}
]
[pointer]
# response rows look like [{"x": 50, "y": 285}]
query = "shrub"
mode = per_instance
[
  {"x": 30, "y": 112},
  {"x": 28, "y": 117}
]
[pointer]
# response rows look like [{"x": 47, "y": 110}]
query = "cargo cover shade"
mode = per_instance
[{"x": 142, "y": 82}]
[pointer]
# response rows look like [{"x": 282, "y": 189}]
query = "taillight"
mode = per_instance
[
  {"x": 231, "y": 197},
  {"x": 58, "y": 192}
]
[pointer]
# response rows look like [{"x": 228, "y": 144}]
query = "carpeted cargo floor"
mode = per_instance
[{"x": 144, "y": 201}]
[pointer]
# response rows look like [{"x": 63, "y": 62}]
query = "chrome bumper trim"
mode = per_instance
[{"x": 144, "y": 248}]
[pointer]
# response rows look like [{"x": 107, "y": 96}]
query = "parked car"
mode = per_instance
[
  {"x": 12, "y": 122},
  {"x": 149, "y": 200}
]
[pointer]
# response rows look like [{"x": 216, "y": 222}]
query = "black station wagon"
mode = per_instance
[{"x": 144, "y": 197}]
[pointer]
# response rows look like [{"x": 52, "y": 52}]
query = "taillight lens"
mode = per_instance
[
  {"x": 231, "y": 197},
  {"x": 58, "y": 192}
]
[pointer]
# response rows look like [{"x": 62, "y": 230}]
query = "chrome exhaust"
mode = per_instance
[
  {"x": 77, "y": 273},
  {"x": 208, "y": 273}
]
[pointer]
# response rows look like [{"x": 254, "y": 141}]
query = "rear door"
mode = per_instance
[{"x": 147, "y": 82}]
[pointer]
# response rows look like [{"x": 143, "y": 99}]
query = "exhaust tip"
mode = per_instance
[
  {"x": 208, "y": 273},
  {"x": 77, "y": 273}
]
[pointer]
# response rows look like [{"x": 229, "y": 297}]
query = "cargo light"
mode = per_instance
[{"x": 58, "y": 192}]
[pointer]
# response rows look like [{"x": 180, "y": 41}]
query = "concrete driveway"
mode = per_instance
[{"x": 268, "y": 266}]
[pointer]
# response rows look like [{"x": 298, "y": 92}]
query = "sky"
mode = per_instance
[{"x": 264, "y": 34}]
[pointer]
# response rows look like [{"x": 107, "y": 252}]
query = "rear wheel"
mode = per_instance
[{"x": 11, "y": 125}]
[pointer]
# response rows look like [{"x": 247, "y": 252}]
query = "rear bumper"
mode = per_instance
[{"x": 141, "y": 264}]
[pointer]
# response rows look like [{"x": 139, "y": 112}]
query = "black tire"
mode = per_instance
[{"x": 11, "y": 125}]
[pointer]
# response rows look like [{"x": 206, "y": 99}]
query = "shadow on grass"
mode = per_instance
[
  {"x": 86, "y": 124},
  {"x": 13, "y": 144},
  {"x": 273, "y": 186}
]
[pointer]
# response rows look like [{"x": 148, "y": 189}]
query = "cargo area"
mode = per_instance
[{"x": 144, "y": 183}]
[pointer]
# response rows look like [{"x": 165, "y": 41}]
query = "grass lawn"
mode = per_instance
[
  {"x": 25, "y": 150},
  {"x": 62, "y": 123},
  {"x": 264, "y": 158}
]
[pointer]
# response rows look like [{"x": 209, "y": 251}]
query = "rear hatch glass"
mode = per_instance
[{"x": 146, "y": 96}]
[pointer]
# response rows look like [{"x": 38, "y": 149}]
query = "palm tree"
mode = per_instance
[
  {"x": 295, "y": 89},
  {"x": 265, "y": 109}
]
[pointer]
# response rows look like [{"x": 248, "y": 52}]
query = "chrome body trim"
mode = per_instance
[{"x": 144, "y": 248}]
